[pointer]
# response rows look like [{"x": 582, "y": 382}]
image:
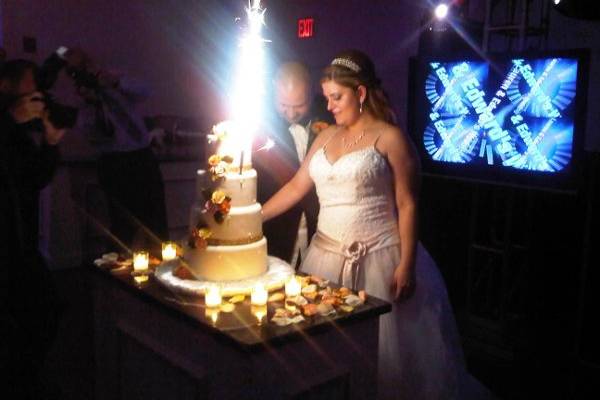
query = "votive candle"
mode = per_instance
[
  {"x": 258, "y": 295},
  {"x": 140, "y": 261},
  {"x": 212, "y": 298},
  {"x": 292, "y": 287},
  {"x": 169, "y": 251}
]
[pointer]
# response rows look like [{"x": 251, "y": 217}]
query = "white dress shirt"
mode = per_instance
[{"x": 300, "y": 135}]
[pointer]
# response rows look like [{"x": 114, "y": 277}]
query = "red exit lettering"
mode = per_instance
[{"x": 305, "y": 27}]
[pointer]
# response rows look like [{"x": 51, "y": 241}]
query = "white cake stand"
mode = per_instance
[{"x": 278, "y": 272}]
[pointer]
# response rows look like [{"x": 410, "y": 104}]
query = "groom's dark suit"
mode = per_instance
[{"x": 275, "y": 168}]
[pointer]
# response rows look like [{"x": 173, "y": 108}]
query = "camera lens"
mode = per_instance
[{"x": 60, "y": 115}]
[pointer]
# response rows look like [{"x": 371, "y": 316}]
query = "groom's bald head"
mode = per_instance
[{"x": 292, "y": 91}]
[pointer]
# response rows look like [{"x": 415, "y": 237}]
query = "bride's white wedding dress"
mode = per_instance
[{"x": 420, "y": 355}]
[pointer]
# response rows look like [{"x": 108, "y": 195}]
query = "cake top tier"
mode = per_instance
[{"x": 231, "y": 145}]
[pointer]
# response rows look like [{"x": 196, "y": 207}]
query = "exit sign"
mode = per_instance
[{"x": 305, "y": 27}]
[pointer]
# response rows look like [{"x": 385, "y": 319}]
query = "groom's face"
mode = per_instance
[{"x": 292, "y": 101}]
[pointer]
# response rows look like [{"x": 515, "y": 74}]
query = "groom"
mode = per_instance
[{"x": 292, "y": 128}]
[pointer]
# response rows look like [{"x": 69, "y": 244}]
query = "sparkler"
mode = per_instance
[
  {"x": 248, "y": 91},
  {"x": 249, "y": 80}
]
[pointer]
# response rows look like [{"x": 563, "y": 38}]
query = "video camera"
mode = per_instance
[
  {"x": 61, "y": 116},
  {"x": 53, "y": 65}
]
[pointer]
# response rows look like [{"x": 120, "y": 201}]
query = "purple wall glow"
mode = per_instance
[
  {"x": 386, "y": 30},
  {"x": 165, "y": 42},
  {"x": 183, "y": 47}
]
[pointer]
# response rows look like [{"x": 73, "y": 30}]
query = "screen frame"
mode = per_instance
[{"x": 569, "y": 179}]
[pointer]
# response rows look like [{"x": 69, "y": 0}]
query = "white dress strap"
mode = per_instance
[{"x": 377, "y": 139}]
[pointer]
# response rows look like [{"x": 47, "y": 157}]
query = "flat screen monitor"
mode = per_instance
[{"x": 507, "y": 119}]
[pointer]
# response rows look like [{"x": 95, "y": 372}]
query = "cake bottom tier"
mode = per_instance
[{"x": 228, "y": 263}]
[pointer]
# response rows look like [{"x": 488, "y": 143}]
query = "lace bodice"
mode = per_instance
[{"x": 356, "y": 195}]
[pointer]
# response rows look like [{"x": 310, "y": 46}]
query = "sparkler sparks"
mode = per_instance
[
  {"x": 248, "y": 89},
  {"x": 249, "y": 81},
  {"x": 267, "y": 146}
]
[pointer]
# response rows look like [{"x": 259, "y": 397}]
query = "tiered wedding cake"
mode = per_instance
[{"x": 226, "y": 241}]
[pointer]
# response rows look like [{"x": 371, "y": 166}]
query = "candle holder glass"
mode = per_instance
[
  {"x": 212, "y": 296},
  {"x": 169, "y": 251},
  {"x": 141, "y": 262},
  {"x": 292, "y": 287},
  {"x": 259, "y": 295}
]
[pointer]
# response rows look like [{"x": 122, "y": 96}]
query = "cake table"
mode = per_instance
[{"x": 153, "y": 342}]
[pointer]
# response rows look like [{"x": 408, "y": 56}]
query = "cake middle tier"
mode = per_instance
[{"x": 242, "y": 225}]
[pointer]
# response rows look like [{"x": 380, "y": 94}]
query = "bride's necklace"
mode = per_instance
[{"x": 347, "y": 145}]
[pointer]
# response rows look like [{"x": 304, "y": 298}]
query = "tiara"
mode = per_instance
[{"x": 344, "y": 62}]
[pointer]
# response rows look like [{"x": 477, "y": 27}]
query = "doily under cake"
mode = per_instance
[{"x": 278, "y": 272}]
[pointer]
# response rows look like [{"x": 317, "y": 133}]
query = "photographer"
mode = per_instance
[
  {"x": 28, "y": 159},
  {"x": 127, "y": 168}
]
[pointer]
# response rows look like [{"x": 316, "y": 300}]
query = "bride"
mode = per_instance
[{"x": 366, "y": 174}]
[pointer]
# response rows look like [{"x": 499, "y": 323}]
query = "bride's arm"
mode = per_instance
[
  {"x": 295, "y": 190},
  {"x": 290, "y": 194},
  {"x": 406, "y": 169}
]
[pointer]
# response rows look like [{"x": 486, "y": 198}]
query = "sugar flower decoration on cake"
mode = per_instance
[
  {"x": 317, "y": 126},
  {"x": 217, "y": 165},
  {"x": 198, "y": 238},
  {"x": 219, "y": 131},
  {"x": 218, "y": 204},
  {"x": 214, "y": 160},
  {"x": 218, "y": 197}
]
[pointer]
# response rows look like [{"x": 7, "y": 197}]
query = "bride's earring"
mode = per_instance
[{"x": 360, "y": 108}]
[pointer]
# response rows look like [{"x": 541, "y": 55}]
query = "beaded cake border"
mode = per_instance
[{"x": 236, "y": 242}]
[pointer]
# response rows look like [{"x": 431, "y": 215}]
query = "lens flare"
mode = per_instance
[
  {"x": 441, "y": 11},
  {"x": 248, "y": 89}
]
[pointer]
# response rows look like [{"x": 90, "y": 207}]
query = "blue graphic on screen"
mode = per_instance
[{"x": 521, "y": 119}]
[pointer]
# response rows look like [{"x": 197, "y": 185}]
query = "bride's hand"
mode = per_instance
[{"x": 403, "y": 283}]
